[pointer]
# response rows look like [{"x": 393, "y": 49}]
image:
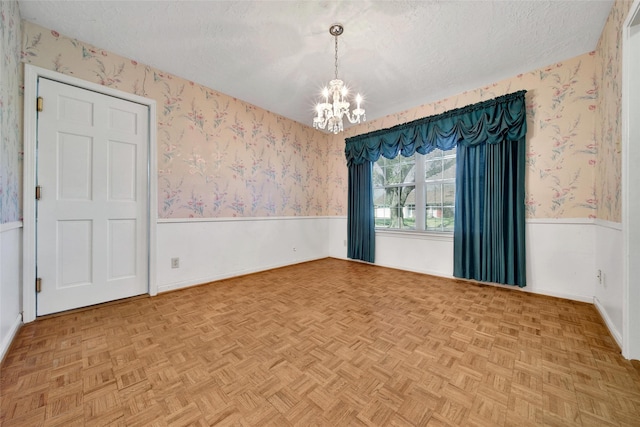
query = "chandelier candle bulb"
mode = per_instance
[{"x": 330, "y": 114}]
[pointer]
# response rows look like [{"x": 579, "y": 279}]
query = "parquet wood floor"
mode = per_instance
[{"x": 327, "y": 343}]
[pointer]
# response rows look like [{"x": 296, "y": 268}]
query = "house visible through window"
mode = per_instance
[{"x": 415, "y": 193}]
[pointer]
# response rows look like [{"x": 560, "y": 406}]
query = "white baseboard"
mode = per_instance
[
  {"x": 607, "y": 320},
  {"x": 413, "y": 270},
  {"x": 8, "y": 339},
  {"x": 545, "y": 292},
  {"x": 202, "y": 280}
]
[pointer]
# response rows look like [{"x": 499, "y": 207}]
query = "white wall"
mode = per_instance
[
  {"x": 214, "y": 249},
  {"x": 420, "y": 253},
  {"x": 337, "y": 237},
  {"x": 608, "y": 296},
  {"x": 10, "y": 283},
  {"x": 412, "y": 252},
  {"x": 560, "y": 255}
]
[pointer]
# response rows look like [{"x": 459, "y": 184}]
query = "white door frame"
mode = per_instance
[
  {"x": 31, "y": 75},
  {"x": 630, "y": 174}
]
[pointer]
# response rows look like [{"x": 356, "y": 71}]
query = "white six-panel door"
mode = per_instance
[{"x": 91, "y": 225}]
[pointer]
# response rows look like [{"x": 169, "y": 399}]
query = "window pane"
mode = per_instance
[
  {"x": 448, "y": 193},
  {"x": 433, "y": 194},
  {"x": 378, "y": 175},
  {"x": 408, "y": 207},
  {"x": 411, "y": 174},
  {"x": 390, "y": 195},
  {"x": 381, "y": 211},
  {"x": 440, "y": 174},
  {"x": 433, "y": 218},
  {"x": 400, "y": 173},
  {"x": 433, "y": 169},
  {"x": 388, "y": 174},
  {"x": 394, "y": 207},
  {"x": 395, "y": 221},
  {"x": 399, "y": 170},
  {"x": 447, "y": 218},
  {"x": 449, "y": 168}
]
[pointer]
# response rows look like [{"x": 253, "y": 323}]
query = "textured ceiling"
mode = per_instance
[{"x": 279, "y": 54}]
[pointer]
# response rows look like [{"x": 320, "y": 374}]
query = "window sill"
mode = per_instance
[{"x": 416, "y": 234}]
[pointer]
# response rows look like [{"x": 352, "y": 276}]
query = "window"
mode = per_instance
[
  {"x": 394, "y": 190},
  {"x": 415, "y": 193}
]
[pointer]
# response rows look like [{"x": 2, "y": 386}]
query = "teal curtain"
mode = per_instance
[
  {"x": 361, "y": 239},
  {"x": 488, "y": 238},
  {"x": 489, "y": 220}
]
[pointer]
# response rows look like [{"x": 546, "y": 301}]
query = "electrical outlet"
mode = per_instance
[
  {"x": 599, "y": 276},
  {"x": 294, "y": 249},
  {"x": 345, "y": 243},
  {"x": 175, "y": 262}
]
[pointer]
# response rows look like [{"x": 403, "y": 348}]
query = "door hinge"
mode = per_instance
[
  {"x": 38, "y": 285},
  {"x": 38, "y": 192},
  {"x": 39, "y": 104}
]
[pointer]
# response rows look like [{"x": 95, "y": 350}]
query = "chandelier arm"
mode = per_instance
[
  {"x": 355, "y": 118},
  {"x": 320, "y": 123}
]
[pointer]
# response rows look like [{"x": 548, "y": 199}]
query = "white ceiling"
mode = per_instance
[{"x": 279, "y": 54}]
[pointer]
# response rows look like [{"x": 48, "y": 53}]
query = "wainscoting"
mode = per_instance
[
  {"x": 560, "y": 256},
  {"x": 10, "y": 283},
  {"x": 609, "y": 289},
  {"x": 214, "y": 249}
]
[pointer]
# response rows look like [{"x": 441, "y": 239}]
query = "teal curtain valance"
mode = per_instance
[{"x": 493, "y": 121}]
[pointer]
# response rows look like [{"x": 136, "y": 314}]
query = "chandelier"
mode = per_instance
[{"x": 330, "y": 113}]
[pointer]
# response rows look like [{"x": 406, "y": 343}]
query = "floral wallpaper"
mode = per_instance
[
  {"x": 217, "y": 156},
  {"x": 561, "y": 152},
  {"x": 608, "y": 125},
  {"x": 10, "y": 114}
]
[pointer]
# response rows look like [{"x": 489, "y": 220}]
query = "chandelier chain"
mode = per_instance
[{"x": 336, "y": 58}]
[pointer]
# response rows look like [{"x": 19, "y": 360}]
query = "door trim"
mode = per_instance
[
  {"x": 31, "y": 75},
  {"x": 630, "y": 174}
]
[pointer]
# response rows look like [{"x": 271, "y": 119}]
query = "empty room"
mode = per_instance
[{"x": 295, "y": 213}]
